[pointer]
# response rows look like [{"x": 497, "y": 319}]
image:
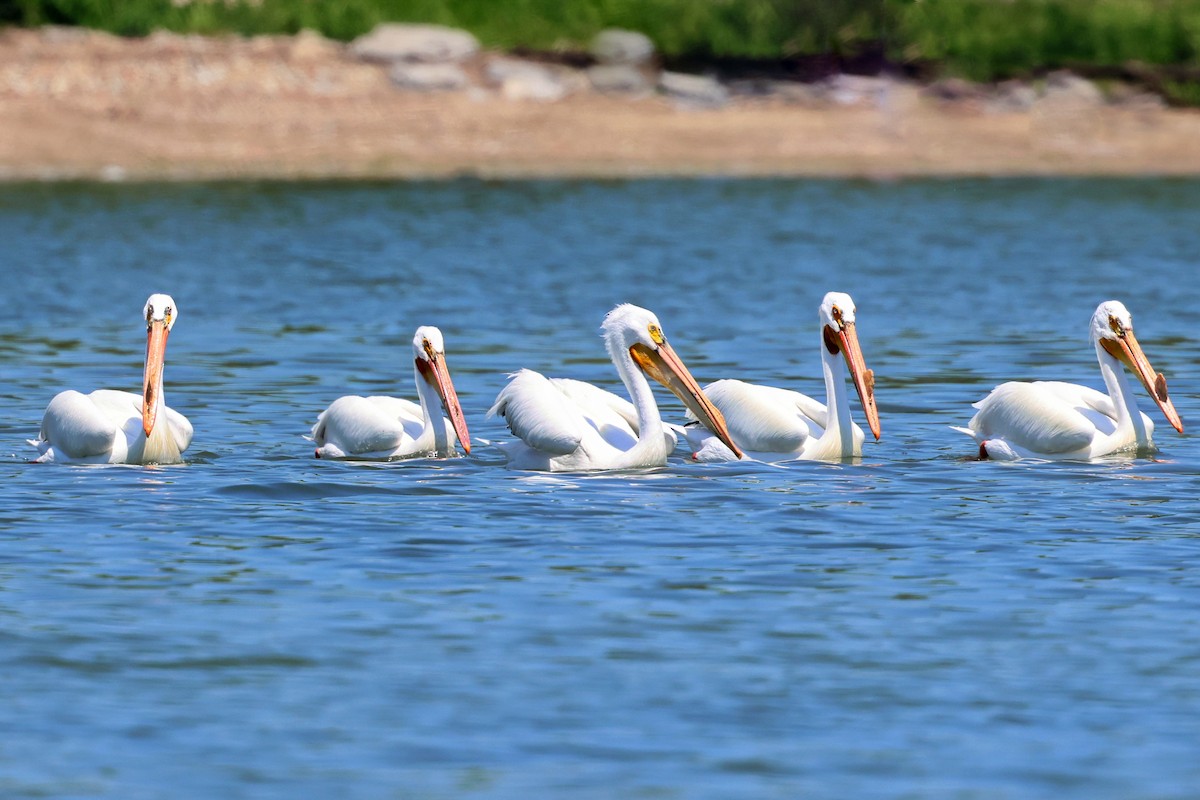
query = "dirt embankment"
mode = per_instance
[{"x": 76, "y": 104}]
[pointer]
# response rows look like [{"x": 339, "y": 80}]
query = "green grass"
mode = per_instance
[
  {"x": 741, "y": 28},
  {"x": 1181, "y": 93},
  {"x": 993, "y": 39},
  {"x": 979, "y": 39}
]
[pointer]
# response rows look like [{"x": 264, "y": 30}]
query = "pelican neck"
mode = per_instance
[
  {"x": 650, "y": 427},
  {"x": 837, "y": 423},
  {"x": 1121, "y": 393},
  {"x": 433, "y": 435}
]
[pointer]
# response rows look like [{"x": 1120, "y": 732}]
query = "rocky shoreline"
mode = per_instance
[{"x": 423, "y": 102}]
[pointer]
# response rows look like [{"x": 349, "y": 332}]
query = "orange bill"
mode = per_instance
[
  {"x": 437, "y": 375},
  {"x": 864, "y": 379},
  {"x": 666, "y": 368},
  {"x": 1129, "y": 352},
  {"x": 156, "y": 352}
]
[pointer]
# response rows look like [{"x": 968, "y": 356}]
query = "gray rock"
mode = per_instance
[
  {"x": 421, "y": 43},
  {"x": 855, "y": 90},
  {"x": 616, "y": 46},
  {"x": 428, "y": 77},
  {"x": 793, "y": 92},
  {"x": 955, "y": 90},
  {"x": 801, "y": 94},
  {"x": 618, "y": 79},
  {"x": 1012, "y": 96},
  {"x": 693, "y": 91},
  {"x": 1065, "y": 88},
  {"x": 750, "y": 87},
  {"x": 499, "y": 68},
  {"x": 525, "y": 80},
  {"x": 1126, "y": 96}
]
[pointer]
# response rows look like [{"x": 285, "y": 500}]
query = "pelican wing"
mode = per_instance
[
  {"x": 1043, "y": 417},
  {"x": 79, "y": 425},
  {"x": 764, "y": 418},
  {"x": 180, "y": 427},
  {"x": 539, "y": 413},
  {"x": 814, "y": 412},
  {"x": 1096, "y": 406},
  {"x": 118, "y": 406},
  {"x": 407, "y": 412},
  {"x": 124, "y": 410},
  {"x": 612, "y": 416},
  {"x": 368, "y": 424}
]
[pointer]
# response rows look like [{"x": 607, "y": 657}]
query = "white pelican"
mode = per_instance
[
  {"x": 114, "y": 427},
  {"x": 777, "y": 424},
  {"x": 1050, "y": 419},
  {"x": 391, "y": 427},
  {"x": 571, "y": 425}
]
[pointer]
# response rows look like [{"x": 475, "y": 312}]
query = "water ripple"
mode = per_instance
[{"x": 261, "y": 622}]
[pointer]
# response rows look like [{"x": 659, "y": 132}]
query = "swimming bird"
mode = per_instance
[
  {"x": 114, "y": 427},
  {"x": 391, "y": 427},
  {"x": 1055, "y": 420},
  {"x": 564, "y": 425},
  {"x": 774, "y": 424}
]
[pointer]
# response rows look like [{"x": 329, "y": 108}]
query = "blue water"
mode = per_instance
[{"x": 257, "y": 623}]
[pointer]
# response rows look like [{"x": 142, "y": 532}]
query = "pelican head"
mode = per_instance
[
  {"x": 1112, "y": 331},
  {"x": 160, "y": 313},
  {"x": 632, "y": 329},
  {"x": 840, "y": 336},
  {"x": 429, "y": 357}
]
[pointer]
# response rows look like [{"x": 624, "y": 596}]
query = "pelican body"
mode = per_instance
[
  {"x": 1055, "y": 420},
  {"x": 392, "y": 427},
  {"x": 566, "y": 425},
  {"x": 774, "y": 424},
  {"x": 115, "y": 427}
]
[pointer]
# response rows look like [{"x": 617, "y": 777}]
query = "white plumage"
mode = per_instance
[
  {"x": 392, "y": 427},
  {"x": 773, "y": 424},
  {"x": 115, "y": 427},
  {"x": 564, "y": 425},
  {"x": 1051, "y": 419}
]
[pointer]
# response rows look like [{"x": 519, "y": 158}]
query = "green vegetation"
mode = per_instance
[
  {"x": 737, "y": 28},
  {"x": 990, "y": 39},
  {"x": 1181, "y": 92},
  {"x": 979, "y": 39}
]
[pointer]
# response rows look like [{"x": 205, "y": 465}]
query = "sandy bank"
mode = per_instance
[{"x": 75, "y": 104}]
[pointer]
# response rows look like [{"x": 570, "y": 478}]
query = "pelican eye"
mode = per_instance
[
  {"x": 1117, "y": 327},
  {"x": 656, "y": 334},
  {"x": 837, "y": 317}
]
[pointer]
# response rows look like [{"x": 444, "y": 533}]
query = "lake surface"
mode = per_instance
[{"x": 257, "y": 623}]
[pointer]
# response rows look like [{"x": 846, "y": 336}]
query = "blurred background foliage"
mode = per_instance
[
  {"x": 990, "y": 39},
  {"x": 978, "y": 39}
]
